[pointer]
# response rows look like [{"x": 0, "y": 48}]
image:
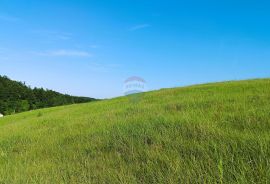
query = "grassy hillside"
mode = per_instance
[{"x": 212, "y": 133}]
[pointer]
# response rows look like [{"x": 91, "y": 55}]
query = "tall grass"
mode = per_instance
[{"x": 212, "y": 133}]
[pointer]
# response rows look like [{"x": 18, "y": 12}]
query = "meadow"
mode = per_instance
[{"x": 210, "y": 133}]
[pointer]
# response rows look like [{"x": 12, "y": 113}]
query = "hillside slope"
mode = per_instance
[{"x": 212, "y": 133}]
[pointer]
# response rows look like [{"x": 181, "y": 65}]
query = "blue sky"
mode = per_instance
[{"x": 89, "y": 48}]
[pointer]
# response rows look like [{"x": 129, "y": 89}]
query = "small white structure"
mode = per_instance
[{"x": 1, "y": 115}]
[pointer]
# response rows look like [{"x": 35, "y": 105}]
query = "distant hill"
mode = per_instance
[{"x": 17, "y": 97}]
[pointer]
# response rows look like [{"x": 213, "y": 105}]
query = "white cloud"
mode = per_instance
[
  {"x": 64, "y": 37},
  {"x": 94, "y": 46},
  {"x": 140, "y": 26},
  {"x": 103, "y": 67},
  {"x": 52, "y": 35},
  {"x": 8, "y": 18},
  {"x": 66, "y": 53}
]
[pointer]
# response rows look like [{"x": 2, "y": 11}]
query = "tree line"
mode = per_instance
[{"x": 18, "y": 97}]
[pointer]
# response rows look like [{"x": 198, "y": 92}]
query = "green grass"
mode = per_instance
[{"x": 212, "y": 133}]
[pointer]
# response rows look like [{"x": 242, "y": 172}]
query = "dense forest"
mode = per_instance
[{"x": 17, "y": 97}]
